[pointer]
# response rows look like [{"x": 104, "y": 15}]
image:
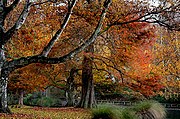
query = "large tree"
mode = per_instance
[
  {"x": 164, "y": 14},
  {"x": 123, "y": 36},
  {"x": 5, "y": 35}
]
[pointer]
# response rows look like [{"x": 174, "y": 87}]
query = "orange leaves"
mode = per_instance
[
  {"x": 147, "y": 86},
  {"x": 27, "y": 35},
  {"x": 146, "y": 81},
  {"x": 133, "y": 55},
  {"x": 28, "y": 79},
  {"x": 89, "y": 12}
]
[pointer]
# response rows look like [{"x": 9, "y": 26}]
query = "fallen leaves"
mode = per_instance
[{"x": 47, "y": 113}]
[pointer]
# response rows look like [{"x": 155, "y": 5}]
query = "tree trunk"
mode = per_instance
[
  {"x": 21, "y": 97},
  {"x": 3, "y": 93},
  {"x": 87, "y": 94},
  {"x": 3, "y": 76},
  {"x": 70, "y": 88}
]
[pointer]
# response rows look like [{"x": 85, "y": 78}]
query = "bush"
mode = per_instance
[
  {"x": 142, "y": 110},
  {"x": 12, "y": 99},
  {"x": 39, "y": 101},
  {"x": 170, "y": 99},
  {"x": 128, "y": 113},
  {"x": 112, "y": 112},
  {"x": 45, "y": 102},
  {"x": 28, "y": 99},
  {"x": 104, "y": 112},
  {"x": 150, "y": 110}
]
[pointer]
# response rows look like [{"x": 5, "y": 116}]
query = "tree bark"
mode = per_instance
[
  {"x": 87, "y": 93},
  {"x": 21, "y": 97},
  {"x": 3, "y": 74},
  {"x": 3, "y": 92},
  {"x": 70, "y": 88}
]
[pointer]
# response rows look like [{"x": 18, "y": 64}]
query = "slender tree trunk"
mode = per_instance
[
  {"x": 70, "y": 98},
  {"x": 70, "y": 87},
  {"x": 21, "y": 97},
  {"x": 87, "y": 94}
]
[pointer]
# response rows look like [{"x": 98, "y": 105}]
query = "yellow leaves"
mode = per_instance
[{"x": 167, "y": 61}]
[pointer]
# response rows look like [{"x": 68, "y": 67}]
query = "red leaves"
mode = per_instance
[
  {"x": 133, "y": 43},
  {"x": 66, "y": 109},
  {"x": 148, "y": 86}
]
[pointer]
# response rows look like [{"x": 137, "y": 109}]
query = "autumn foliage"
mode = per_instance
[{"x": 124, "y": 50}]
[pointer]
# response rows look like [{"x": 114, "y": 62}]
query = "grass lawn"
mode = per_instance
[{"x": 47, "y": 113}]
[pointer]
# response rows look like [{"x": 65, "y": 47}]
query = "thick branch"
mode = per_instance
[
  {"x": 14, "y": 64},
  {"x": 18, "y": 23},
  {"x": 47, "y": 49},
  {"x": 11, "y": 7}
]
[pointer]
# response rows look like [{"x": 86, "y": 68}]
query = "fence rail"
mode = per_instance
[{"x": 129, "y": 103}]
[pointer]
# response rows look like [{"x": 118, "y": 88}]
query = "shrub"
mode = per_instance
[
  {"x": 45, "y": 102},
  {"x": 12, "y": 99},
  {"x": 150, "y": 110},
  {"x": 107, "y": 111},
  {"x": 128, "y": 113},
  {"x": 142, "y": 110},
  {"x": 39, "y": 101},
  {"x": 28, "y": 99}
]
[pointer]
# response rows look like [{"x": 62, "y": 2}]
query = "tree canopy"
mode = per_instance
[{"x": 30, "y": 29}]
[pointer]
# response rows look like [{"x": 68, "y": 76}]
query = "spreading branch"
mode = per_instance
[
  {"x": 18, "y": 23},
  {"x": 24, "y": 61},
  {"x": 48, "y": 48},
  {"x": 114, "y": 66},
  {"x": 155, "y": 16}
]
